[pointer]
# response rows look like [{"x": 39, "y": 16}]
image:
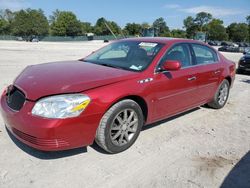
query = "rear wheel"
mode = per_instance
[
  {"x": 221, "y": 95},
  {"x": 120, "y": 126}
]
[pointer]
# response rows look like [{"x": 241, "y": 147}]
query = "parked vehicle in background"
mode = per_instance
[
  {"x": 19, "y": 38},
  {"x": 246, "y": 50},
  {"x": 31, "y": 38},
  {"x": 35, "y": 40},
  {"x": 244, "y": 63},
  {"x": 108, "y": 96},
  {"x": 90, "y": 36},
  {"x": 218, "y": 43},
  {"x": 233, "y": 47},
  {"x": 214, "y": 43},
  {"x": 224, "y": 43},
  {"x": 242, "y": 44},
  {"x": 229, "y": 47}
]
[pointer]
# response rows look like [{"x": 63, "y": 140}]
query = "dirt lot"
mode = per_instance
[{"x": 201, "y": 148}]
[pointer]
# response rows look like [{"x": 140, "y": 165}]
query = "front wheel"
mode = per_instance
[
  {"x": 120, "y": 126},
  {"x": 221, "y": 95}
]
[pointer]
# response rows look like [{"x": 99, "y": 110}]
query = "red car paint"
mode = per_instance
[{"x": 165, "y": 95}]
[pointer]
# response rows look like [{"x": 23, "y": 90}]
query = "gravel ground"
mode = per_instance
[{"x": 200, "y": 148}]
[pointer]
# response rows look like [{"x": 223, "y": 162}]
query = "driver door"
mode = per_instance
[{"x": 175, "y": 91}]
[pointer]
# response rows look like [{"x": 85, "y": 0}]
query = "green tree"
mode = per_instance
[
  {"x": 132, "y": 29},
  {"x": 201, "y": 19},
  {"x": 178, "y": 33},
  {"x": 65, "y": 23},
  {"x": 238, "y": 32},
  {"x": 54, "y": 16},
  {"x": 248, "y": 22},
  {"x": 145, "y": 25},
  {"x": 6, "y": 19},
  {"x": 216, "y": 30},
  {"x": 114, "y": 27},
  {"x": 190, "y": 26},
  {"x": 4, "y": 27},
  {"x": 101, "y": 28},
  {"x": 248, "y": 19},
  {"x": 86, "y": 28},
  {"x": 199, "y": 23},
  {"x": 30, "y": 22},
  {"x": 7, "y": 14},
  {"x": 161, "y": 26}
]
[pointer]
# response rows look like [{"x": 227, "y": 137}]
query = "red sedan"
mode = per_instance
[{"x": 108, "y": 96}]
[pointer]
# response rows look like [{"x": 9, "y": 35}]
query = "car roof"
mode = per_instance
[{"x": 160, "y": 39}]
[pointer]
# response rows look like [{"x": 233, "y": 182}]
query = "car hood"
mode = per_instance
[{"x": 41, "y": 80}]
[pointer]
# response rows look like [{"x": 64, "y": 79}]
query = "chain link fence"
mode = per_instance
[{"x": 63, "y": 39}]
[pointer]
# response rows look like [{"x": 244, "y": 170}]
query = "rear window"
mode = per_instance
[{"x": 204, "y": 54}]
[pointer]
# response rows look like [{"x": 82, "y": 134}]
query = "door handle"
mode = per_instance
[
  {"x": 192, "y": 78},
  {"x": 217, "y": 72}
]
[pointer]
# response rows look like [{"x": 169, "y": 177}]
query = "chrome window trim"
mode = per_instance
[{"x": 189, "y": 43}]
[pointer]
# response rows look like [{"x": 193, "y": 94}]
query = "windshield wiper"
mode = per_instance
[
  {"x": 105, "y": 64},
  {"x": 109, "y": 65}
]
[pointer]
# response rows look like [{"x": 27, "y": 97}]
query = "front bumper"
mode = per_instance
[
  {"x": 49, "y": 134},
  {"x": 244, "y": 65},
  {"x": 244, "y": 68}
]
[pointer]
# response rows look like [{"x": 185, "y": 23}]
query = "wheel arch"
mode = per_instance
[
  {"x": 229, "y": 79},
  {"x": 139, "y": 100}
]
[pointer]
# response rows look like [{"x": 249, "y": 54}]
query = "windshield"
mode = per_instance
[{"x": 128, "y": 55}]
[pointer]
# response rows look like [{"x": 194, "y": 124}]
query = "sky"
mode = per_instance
[{"x": 139, "y": 11}]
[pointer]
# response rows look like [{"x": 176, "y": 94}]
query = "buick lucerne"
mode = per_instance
[{"x": 109, "y": 95}]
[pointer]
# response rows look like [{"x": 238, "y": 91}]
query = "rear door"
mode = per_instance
[{"x": 208, "y": 71}]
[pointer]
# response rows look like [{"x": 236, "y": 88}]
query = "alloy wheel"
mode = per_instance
[
  {"x": 223, "y": 94},
  {"x": 124, "y": 127}
]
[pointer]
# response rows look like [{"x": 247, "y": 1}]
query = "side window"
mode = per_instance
[
  {"x": 204, "y": 54},
  {"x": 179, "y": 52}
]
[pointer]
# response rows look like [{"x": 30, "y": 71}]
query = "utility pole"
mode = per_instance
[{"x": 110, "y": 29}]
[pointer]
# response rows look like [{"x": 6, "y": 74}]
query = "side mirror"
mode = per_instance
[
  {"x": 171, "y": 65},
  {"x": 244, "y": 52}
]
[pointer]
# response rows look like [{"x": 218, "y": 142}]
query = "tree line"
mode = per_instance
[{"x": 65, "y": 23}]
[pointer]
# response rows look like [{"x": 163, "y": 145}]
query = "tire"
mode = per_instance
[
  {"x": 118, "y": 131},
  {"x": 221, "y": 95}
]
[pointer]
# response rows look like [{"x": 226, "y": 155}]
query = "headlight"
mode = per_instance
[{"x": 61, "y": 106}]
